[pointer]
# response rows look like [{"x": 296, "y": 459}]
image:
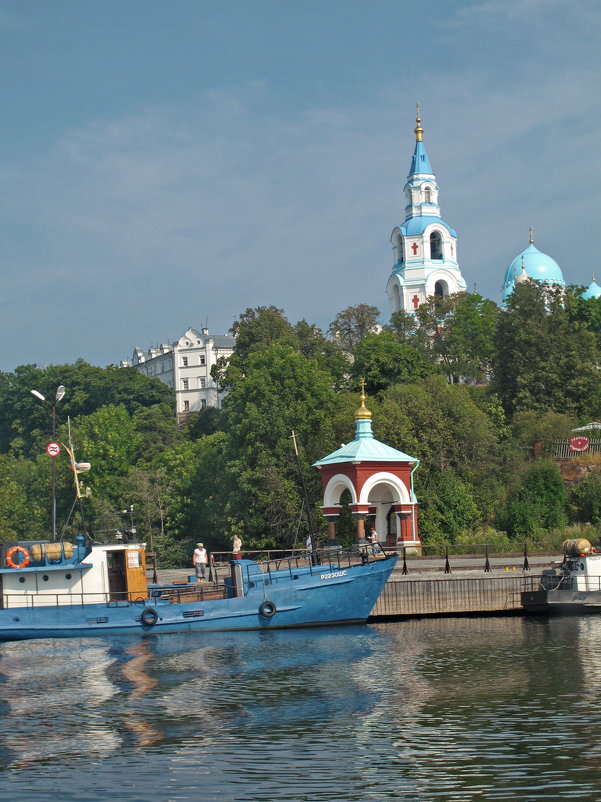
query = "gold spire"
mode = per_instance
[
  {"x": 531, "y": 237},
  {"x": 362, "y": 413},
  {"x": 594, "y": 279},
  {"x": 419, "y": 131}
]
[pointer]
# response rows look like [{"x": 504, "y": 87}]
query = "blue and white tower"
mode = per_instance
[{"x": 424, "y": 246}]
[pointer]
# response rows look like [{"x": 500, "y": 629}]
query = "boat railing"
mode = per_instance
[
  {"x": 562, "y": 582},
  {"x": 331, "y": 559},
  {"x": 114, "y": 599}
]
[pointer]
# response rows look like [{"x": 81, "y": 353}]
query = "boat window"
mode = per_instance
[
  {"x": 21, "y": 579},
  {"x": 45, "y": 577},
  {"x": 67, "y": 576}
]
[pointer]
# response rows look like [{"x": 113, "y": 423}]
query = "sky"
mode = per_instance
[{"x": 170, "y": 163}]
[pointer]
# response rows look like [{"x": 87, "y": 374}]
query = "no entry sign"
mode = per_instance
[{"x": 53, "y": 449}]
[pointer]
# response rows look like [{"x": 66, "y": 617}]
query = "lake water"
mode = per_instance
[{"x": 447, "y": 709}]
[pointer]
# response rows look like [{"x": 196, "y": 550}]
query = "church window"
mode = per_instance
[
  {"x": 427, "y": 197},
  {"x": 435, "y": 245},
  {"x": 440, "y": 289}
]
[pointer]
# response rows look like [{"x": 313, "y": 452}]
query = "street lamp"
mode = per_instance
[{"x": 60, "y": 392}]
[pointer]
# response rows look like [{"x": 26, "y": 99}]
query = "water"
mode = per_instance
[{"x": 448, "y": 709}]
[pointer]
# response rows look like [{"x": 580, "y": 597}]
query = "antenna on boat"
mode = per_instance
[
  {"x": 77, "y": 468},
  {"x": 311, "y": 538}
]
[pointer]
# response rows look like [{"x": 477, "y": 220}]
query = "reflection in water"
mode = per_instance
[
  {"x": 133, "y": 670},
  {"x": 449, "y": 709}
]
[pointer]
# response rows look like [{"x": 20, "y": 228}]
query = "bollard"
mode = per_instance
[
  {"x": 447, "y": 565},
  {"x": 526, "y": 561},
  {"x": 405, "y": 569},
  {"x": 487, "y": 563}
]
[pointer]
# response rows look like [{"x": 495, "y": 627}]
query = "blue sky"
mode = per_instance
[{"x": 169, "y": 164}]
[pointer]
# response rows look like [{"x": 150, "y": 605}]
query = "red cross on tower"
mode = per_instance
[
  {"x": 415, "y": 301},
  {"x": 415, "y": 247}
]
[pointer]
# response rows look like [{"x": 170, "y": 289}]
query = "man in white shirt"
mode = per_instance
[{"x": 199, "y": 561}]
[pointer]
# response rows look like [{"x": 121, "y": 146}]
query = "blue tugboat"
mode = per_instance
[{"x": 61, "y": 590}]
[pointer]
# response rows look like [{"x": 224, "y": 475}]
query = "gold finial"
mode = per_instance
[
  {"x": 362, "y": 412},
  {"x": 594, "y": 279},
  {"x": 531, "y": 237},
  {"x": 419, "y": 131}
]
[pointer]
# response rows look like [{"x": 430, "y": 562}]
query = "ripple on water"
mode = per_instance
[{"x": 453, "y": 709}]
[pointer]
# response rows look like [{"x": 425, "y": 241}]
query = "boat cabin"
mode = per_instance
[{"x": 38, "y": 572}]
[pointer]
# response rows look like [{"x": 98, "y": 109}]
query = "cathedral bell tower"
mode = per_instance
[{"x": 424, "y": 246}]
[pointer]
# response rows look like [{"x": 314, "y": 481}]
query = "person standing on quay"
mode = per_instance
[
  {"x": 199, "y": 561},
  {"x": 237, "y": 548}
]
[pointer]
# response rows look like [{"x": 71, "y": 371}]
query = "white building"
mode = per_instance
[
  {"x": 424, "y": 246},
  {"x": 185, "y": 365}
]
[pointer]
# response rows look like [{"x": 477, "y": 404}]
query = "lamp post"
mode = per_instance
[{"x": 60, "y": 392}]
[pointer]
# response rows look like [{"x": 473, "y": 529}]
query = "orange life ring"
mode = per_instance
[{"x": 14, "y": 550}]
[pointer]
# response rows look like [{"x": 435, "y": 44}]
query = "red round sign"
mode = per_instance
[
  {"x": 53, "y": 449},
  {"x": 579, "y": 443}
]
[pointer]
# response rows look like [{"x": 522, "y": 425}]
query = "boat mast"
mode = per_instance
[{"x": 312, "y": 538}]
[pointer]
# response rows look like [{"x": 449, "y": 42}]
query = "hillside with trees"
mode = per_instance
[{"x": 475, "y": 392}]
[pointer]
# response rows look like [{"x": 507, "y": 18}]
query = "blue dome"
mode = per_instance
[
  {"x": 419, "y": 223},
  {"x": 592, "y": 291},
  {"x": 538, "y": 266}
]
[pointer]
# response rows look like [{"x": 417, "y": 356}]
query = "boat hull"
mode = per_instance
[
  {"x": 316, "y": 599},
  {"x": 562, "y": 602}
]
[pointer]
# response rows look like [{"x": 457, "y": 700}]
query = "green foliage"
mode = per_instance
[
  {"x": 281, "y": 392},
  {"x": 25, "y": 422},
  {"x": 546, "y": 360},
  {"x": 383, "y": 361},
  {"x": 447, "y": 509},
  {"x": 353, "y": 324},
  {"x": 585, "y": 500},
  {"x": 457, "y": 331},
  {"x": 537, "y": 504}
]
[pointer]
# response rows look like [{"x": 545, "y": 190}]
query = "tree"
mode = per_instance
[
  {"x": 585, "y": 500},
  {"x": 537, "y": 504},
  {"x": 458, "y": 331},
  {"x": 354, "y": 323},
  {"x": 281, "y": 392},
  {"x": 545, "y": 360},
  {"x": 327, "y": 353},
  {"x": 447, "y": 509},
  {"x": 25, "y": 422},
  {"x": 383, "y": 361}
]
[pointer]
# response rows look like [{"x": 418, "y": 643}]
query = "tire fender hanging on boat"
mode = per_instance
[
  {"x": 267, "y": 609},
  {"x": 149, "y": 617},
  {"x": 12, "y": 551}
]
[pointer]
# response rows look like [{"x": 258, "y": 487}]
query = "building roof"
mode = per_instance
[
  {"x": 592, "y": 291},
  {"x": 365, "y": 447},
  {"x": 420, "y": 162},
  {"x": 538, "y": 266},
  {"x": 418, "y": 224}
]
